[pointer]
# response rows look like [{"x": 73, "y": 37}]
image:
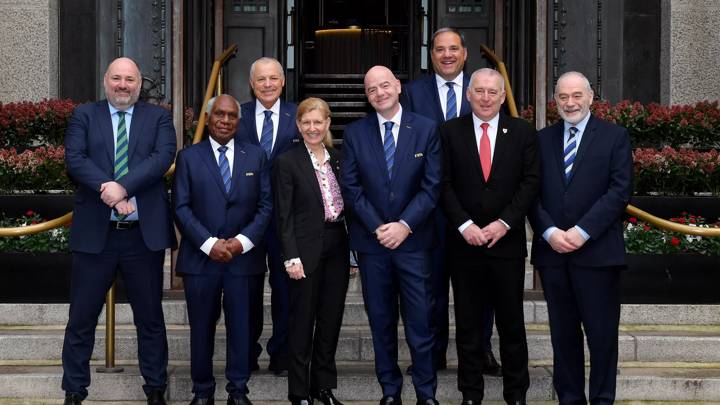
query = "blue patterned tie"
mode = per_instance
[
  {"x": 121, "y": 154},
  {"x": 389, "y": 147},
  {"x": 570, "y": 152},
  {"x": 267, "y": 133},
  {"x": 451, "y": 110},
  {"x": 224, "y": 167}
]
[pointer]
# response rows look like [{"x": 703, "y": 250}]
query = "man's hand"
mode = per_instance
[
  {"x": 558, "y": 242},
  {"x": 296, "y": 271},
  {"x": 494, "y": 231},
  {"x": 220, "y": 252},
  {"x": 392, "y": 234},
  {"x": 574, "y": 238},
  {"x": 474, "y": 235},
  {"x": 234, "y": 246},
  {"x": 112, "y": 193},
  {"x": 125, "y": 207}
]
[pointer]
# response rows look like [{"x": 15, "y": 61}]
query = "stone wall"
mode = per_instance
[
  {"x": 691, "y": 51},
  {"x": 28, "y": 49}
]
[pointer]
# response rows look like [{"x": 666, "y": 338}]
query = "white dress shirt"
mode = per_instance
[
  {"x": 260, "y": 119},
  {"x": 443, "y": 91}
]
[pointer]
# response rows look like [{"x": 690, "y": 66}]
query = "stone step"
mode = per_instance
[
  {"x": 647, "y": 344},
  {"x": 357, "y": 382}
]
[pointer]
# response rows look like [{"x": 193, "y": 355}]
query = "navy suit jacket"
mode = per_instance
[
  {"x": 204, "y": 209},
  {"x": 594, "y": 199},
  {"x": 421, "y": 96},
  {"x": 412, "y": 193},
  {"x": 90, "y": 157},
  {"x": 288, "y": 134}
]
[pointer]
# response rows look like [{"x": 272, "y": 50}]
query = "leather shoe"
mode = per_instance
[
  {"x": 390, "y": 400},
  {"x": 156, "y": 397},
  {"x": 295, "y": 400},
  {"x": 239, "y": 400},
  {"x": 203, "y": 401},
  {"x": 326, "y": 397},
  {"x": 429, "y": 401},
  {"x": 492, "y": 367},
  {"x": 72, "y": 399}
]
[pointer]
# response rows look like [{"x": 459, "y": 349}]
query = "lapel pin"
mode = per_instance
[
  {"x": 419, "y": 155},
  {"x": 504, "y": 130},
  {"x": 408, "y": 127},
  {"x": 249, "y": 174},
  {"x": 295, "y": 140}
]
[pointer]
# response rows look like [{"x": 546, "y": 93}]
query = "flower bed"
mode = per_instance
[
  {"x": 51, "y": 241},
  {"x": 676, "y": 172},
  {"x": 644, "y": 238},
  {"x": 42, "y": 168}
]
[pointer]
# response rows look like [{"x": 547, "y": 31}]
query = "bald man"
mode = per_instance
[
  {"x": 391, "y": 180},
  {"x": 117, "y": 151}
]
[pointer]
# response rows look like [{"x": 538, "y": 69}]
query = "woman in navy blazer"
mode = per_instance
[{"x": 311, "y": 227}]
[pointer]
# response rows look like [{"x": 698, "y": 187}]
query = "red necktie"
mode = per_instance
[{"x": 485, "y": 160}]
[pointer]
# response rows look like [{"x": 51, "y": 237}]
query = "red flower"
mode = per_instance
[
  {"x": 675, "y": 241},
  {"x": 632, "y": 220},
  {"x": 29, "y": 213},
  {"x": 646, "y": 227}
]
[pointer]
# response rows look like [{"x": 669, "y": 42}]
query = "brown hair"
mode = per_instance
[{"x": 314, "y": 103}]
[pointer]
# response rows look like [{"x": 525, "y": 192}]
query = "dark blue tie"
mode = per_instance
[
  {"x": 451, "y": 110},
  {"x": 570, "y": 152},
  {"x": 224, "y": 167},
  {"x": 389, "y": 147},
  {"x": 267, "y": 133}
]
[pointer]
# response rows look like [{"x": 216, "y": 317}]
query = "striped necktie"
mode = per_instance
[
  {"x": 224, "y": 167},
  {"x": 570, "y": 152},
  {"x": 267, "y": 133},
  {"x": 389, "y": 146},
  {"x": 451, "y": 104},
  {"x": 121, "y": 154}
]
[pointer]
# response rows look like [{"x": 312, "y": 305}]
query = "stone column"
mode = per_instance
[
  {"x": 690, "y": 51},
  {"x": 28, "y": 50}
]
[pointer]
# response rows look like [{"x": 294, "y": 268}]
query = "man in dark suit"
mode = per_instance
[
  {"x": 222, "y": 204},
  {"x": 436, "y": 96},
  {"x": 490, "y": 179},
  {"x": 578, "y": 245},
  {"x": 117, "y": 150},
  {"x": 390, "y": 180},
  {"x": 269, "y": 123}
]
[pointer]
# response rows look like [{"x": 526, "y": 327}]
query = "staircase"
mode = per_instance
[{"x": 667, "y": 353}]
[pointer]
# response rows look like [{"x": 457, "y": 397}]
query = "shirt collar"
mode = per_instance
[
  {"x": 260, "y": 109},
  {"x": 580, "y": 125},
  {"x": 395, "y": 119},
  {"x": 114, "y": 110},
  {"x": 458, "y": 80},
  {"x": 493, "y": 121},
  {"x": 316, "y": 163},
  {"x": 215, "y": 144}
]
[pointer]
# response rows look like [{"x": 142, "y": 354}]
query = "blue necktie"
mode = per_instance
[
  {"x": 570, "y": 152},
  {"x": 451, "y": 110},
  {"x": 267, "y": 133},
  {"x": 224, "y": 167},
  {"x": 389, "y": 147}
]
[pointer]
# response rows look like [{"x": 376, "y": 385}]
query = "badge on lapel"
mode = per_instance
[
  {"x": 249, "y": 174},
  {"x": 295, "y": 140},
  {"x": 419, "y": 155},
  {"x": 504, "y": 130}
]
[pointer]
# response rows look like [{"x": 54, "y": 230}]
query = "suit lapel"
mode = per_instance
[
  {"x": 106, "y": 130},
  {"x": 433, "y": 91},
  {"x": 238, "y": 170},
  {"x": 468, "y": 142},
  {"x": 208, "y": 156},
  {"x": 284, "y": 121},
  {"x": 558, "y": 146},
  {"x": 376, "y": 145},
  {"x": 502, "y": 140},
  {"x": 250, "y": 125},
  {"x": 588, "y": 137},
  {"x": 465, "y": 108},
  {"x": 405, "y": 141},
  {"x": 308, "y": 171},
  {"x": 136, "y": 126}
]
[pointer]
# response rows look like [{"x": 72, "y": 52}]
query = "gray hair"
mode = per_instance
[
  {"x": 446, "y": 29},
  {"x": 211, "y": 102},
  {"x": 573, "y": 73},
  {"x": 266, "y": 59},
  {"x": 491, "y": 72}
]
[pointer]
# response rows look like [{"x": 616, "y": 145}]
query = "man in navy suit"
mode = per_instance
[
  {"x": 578, "y": 245},
  {"x": 117, "y": 150},
  {"x": 437, "y": 96},
  {"x": 269, "y": 122},
  {"x": 222, "y": 204},
  {"x": 390, "y": 180}
]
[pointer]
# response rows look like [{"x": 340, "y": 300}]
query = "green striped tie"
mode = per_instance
[{"x": 121, "y": 153}]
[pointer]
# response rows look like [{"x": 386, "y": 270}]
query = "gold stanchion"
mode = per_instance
[{"x": 110, "y": 334}]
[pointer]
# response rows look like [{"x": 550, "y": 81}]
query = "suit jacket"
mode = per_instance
[
  {"x": 204, "y": 209},
  {"x": 90, "y": 161},
  {"x": 288, "y": 134},
  {"x": 507, "y": 194},
  {"x": 299, "y": 209},
  {"x": 374, "y": 198},
  {"x": 421, "y": 96},
  {"x": 594, "y": 199}
]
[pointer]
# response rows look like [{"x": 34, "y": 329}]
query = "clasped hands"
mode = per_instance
[
  {"x": 392, "y": 234},
  {"x": 566, "y": 241},
  {"x": 225, "y": 249},
  {"x": 489, "y": 235},
  {"x": 114, "y": 195}
]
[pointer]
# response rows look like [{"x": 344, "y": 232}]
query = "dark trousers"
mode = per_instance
[
  {"x": 317, "y": 303},
  {"x": 583, "y": 298},
  {"x": 478, "y": 283},
  {"x": 206, "y": 296},
  {"x": 385, "y": 278},
  {"x": 92, "y": 276}
]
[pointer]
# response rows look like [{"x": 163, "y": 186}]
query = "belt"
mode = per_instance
[{"x": 123, "y": 225}]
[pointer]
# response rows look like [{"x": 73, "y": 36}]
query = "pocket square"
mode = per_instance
[
  {"x": 419, "y": 155},
  {"x": 249, "y": 173}
]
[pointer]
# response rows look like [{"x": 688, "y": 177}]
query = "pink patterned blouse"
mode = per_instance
[{"x": 329, "y": 187}]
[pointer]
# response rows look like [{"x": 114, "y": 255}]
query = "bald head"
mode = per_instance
[
  {"x": 383, "y": 91},
  {"x": 122, "y": 83}
]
